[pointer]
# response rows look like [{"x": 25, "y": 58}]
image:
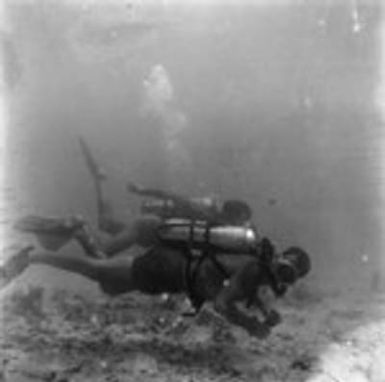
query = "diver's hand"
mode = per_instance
[
  {"x": 258, "y": 329},
  {"x": 281, "y": 290},
  {"x": 273, "y": 319}
]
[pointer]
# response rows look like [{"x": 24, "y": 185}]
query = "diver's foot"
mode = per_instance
[
  {"x": 87, "y": 241},
  {"x": 273, "y": 319},
  {"x": 259, "y": 330},
  {"x": 15, "y": 265}
]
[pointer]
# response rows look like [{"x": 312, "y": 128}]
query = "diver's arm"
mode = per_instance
[
  {"x": 271, "y": 316},
  {"x": 239, "y": 286}
]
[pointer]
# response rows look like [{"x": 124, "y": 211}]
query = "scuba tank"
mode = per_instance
[
  {"x": 200, "y": 235},
  {"x": 167, "y": 208}
]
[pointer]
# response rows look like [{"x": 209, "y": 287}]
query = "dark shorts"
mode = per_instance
[{"x": 159, "y": 270}]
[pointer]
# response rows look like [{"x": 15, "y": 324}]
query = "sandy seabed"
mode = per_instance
[{"x": 68, "y": 337}]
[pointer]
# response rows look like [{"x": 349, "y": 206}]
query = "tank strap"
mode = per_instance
[
  {"x": 192, "y": 274},
  {"x": 193, "y": 265},
  {"x": 266, "y": 258},
  {"x": 190, "y": 242},
  {"x": 205, "y": 252},
  {"x": 196, "y": 300},
  {"x": 189, "y": 256},
  {"x": 208, "y": 252}
]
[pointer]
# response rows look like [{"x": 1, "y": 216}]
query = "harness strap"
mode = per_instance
[
  {"x": 190, "y": 273},
  {"x": 191, "y": 235},
  {"x": 205, "y": 252},
  {"x": 190, "y": 276},
  {"x": 267, "y": 256},
  {"x": 189, "y": 257},
  {"x": 192, "y": 267},
  {"x": 212, "y": 255}
]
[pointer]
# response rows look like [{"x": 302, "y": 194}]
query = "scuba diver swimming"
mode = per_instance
[
  {"x": 222, "y": 277},
  {"x": 157, "y": 214},
  {"x": 219, "y": 259},
  {"x": 163, "y": 205}
]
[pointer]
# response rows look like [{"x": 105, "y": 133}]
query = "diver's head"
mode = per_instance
[
  {"x": 293, "y": 264},
  {"x": 285, "y": 273},
  {"x": 299, "y": 259},
  {"x": 236, "y": 212}
]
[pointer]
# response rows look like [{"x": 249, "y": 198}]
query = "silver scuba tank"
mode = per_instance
[{"x": 199, "y": 235}]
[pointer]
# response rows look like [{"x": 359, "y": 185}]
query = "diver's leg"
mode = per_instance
[
  {"x": 143, "y": 231},
  {"x": 154, "y": 272},
  {"x": 240, "y": 286},
  {"x": 106, "y": 247},
  {"x": 123, "y": 241},
  {"x": 74, "y": 263},
  {"x": 107, "y": 222},
  {"x": 54, "y": 233},
  {"x": 113, "y": 275}
]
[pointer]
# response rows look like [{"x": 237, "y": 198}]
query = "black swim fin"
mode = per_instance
[
  {"x": 52, "y": 233},
  {"x": 95, "y": 170}
]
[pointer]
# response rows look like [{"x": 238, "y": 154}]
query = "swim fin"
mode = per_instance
[
  {"x": 52, "y": 233},
  {"x": 95, "y": 170}
]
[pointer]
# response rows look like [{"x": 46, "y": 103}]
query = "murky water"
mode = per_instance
[{"x": 274, "y": 104}]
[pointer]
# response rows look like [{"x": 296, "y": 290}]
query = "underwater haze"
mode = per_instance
[{"x": 271, "y": 102}]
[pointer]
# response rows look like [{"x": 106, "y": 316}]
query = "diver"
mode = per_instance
[
  {"x": 157, "y": 214},
  {"x": 164, "y": 205},
  {"x": 219, "y": 258},
  {"x": 222, "y": 277}
]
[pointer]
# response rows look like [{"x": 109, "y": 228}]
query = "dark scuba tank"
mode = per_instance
[{"x": 199, "y": 235}]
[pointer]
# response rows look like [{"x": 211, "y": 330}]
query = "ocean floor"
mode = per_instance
[{"x": 63, "y": 336}]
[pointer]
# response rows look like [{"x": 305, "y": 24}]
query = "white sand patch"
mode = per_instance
[{"x": 360, "y": 358}]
